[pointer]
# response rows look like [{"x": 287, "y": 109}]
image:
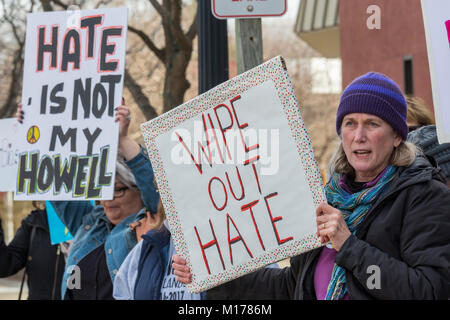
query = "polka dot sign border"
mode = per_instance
[{"x": 276, "y": 71}]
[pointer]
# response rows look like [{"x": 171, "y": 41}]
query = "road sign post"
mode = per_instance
[
  {"x": 249, "y": 46},
  {"x": 248, "y": 14}
]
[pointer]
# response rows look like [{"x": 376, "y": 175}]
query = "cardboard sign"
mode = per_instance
[
  {"x": 223, "y": 9},
  {"x": 436, "y": 17},
  {"x": 237, "y": 176},
  {"x": 9, "y": 129},
  {"x": 73, "y": 80}
]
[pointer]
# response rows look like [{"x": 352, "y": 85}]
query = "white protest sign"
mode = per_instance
[
  {"x": 73, "y": 80},
  {"x": 436, "y": 16},
  {"x": 237, "y": 176},
  {"x": 9, "y": 130},
  {"x": 223, "y": 9}
]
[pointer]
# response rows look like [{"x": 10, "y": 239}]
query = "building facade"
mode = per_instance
[{"x": 375, "y": 35}]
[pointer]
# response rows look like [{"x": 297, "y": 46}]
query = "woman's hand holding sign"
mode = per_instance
[
  {"x": 331, "y": 226},
  {"x": 19, "y": 113},
  {"x": 181, "y": 270},
  {"x": 128, "y": 148}
]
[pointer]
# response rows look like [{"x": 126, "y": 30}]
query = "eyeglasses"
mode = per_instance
[{"x": 120, "y": 192}]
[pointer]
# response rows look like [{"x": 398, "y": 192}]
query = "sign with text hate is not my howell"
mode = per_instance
[
  {"x": 237, "y": 176},
  {"x": 73, "y": 80}
]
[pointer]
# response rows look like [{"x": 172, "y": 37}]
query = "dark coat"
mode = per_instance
[
  {"x": 406, "y": 235},
  {"x": 152, "y": 264},
  {"x": 41, "y": 257}
]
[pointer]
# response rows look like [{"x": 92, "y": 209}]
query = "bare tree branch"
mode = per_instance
[
  {"x": 193, "y": 29},
  {"x": 139, "y": 96},
  {"x": 15, "y": 32},
  {"x": 46, "y": 5},
  {"x": 102, "y": 2},
  {"x": 10, "y": 105},
  {"x": 160, "y": 9},
  {"x": 173, "y": 26},
  {"x": 61, "y": 4},
  {"x": 160, "y": 53}
]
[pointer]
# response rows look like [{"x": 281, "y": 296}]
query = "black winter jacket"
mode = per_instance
[
  {"x": 406, "y": 235},
  {"x": 41, "y": 257}
]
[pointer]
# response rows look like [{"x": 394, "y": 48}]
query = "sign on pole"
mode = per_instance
[
  {"x": 237, "y": 176},
  {"x": 436, "y": 16},
  {"x": 224, "y": 9},
  {"x": 73, "y": 80},
  {"x": 9, "y": 129}
]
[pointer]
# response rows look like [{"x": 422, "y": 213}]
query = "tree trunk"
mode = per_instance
[{"x": 175, "y": 84}]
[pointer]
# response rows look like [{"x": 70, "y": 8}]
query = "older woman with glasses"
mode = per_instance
[{"x": 102, "y": 235}]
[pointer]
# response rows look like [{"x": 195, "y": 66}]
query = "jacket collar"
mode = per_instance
[
  {"x": 423, "y": 169},
  {"x": 127, "y": 220},
  {"x": 38, "y": 219},
  {"x": 159, "y": 238}
]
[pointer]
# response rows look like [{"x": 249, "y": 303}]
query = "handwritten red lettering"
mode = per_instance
[
  {"x": 208, "y": 245},
  {"x": 235, "y": 239}
]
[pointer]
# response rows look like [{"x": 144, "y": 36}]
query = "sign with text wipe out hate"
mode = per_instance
[
  {"x": 237, "y": 176},
  {"x": 73, "y": 80},
  {"x": 241, "y": 9},
  {"x": 436, "y": 17}
]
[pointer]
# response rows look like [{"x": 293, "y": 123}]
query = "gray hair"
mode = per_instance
[{"x": 124, "y": 174}]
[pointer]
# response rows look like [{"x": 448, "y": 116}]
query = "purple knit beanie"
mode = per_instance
[{"x": 376, "y": 94}]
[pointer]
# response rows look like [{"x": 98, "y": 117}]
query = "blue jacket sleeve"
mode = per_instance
[{"x": 143, "y": 172}]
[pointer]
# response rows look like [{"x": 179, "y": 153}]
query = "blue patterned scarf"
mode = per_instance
[{"x": 354, "y": 208}]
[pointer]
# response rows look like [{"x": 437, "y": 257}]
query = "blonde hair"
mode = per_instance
[
  {"x": 402, "y": 156},
  {"x": 157, "y": 219},
  {"x": 418, "y": 112}
]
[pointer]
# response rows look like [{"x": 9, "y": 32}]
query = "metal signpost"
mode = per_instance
[
  {"x": 240, "y": 9},
  {"x": 248, "y": 14}
]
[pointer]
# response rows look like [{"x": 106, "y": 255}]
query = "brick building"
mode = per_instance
[{"x": 339, "y": 28}]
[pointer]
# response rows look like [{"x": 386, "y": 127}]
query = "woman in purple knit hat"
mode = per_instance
[{"x": 386, "y": 224}]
